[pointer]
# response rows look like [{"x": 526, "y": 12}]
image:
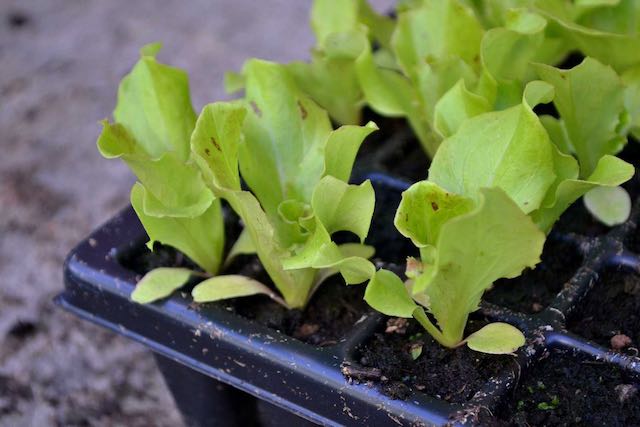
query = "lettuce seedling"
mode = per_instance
[
  {"x": 494, "y": 188},
  {"x": 296, "y": 168},
  {"x": 343, "y": 29},
  {"x": 151, "y": 134},
  {"x": 589, "y": 127},
  {"x": 448, "y": 67}
]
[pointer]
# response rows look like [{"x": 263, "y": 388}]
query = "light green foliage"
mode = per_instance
[
  {"x": 230, "y": 286},
  {"x": 496, "y": 338},
  {"x": 508, "y": 149},
  {"x": 473, "y": 244},
  {"x": 609, "y": 204},
  {"x": 610, "y": 172},
  {"x": 201, "y": 237},
  {"x": 496, "y": 184},
  {"x": 291, "y": 159},
  {"x": 154, "y": 120},
  {"x": 343, "y": 32},
  {"x": 435, "y": 44},
  {"x": 598, "y": 32},
  {"x": 590, "y": 101},
  {"x": 159, "y": 283}
]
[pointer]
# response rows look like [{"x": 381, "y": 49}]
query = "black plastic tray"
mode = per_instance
[{"x": 305, "y": 380}]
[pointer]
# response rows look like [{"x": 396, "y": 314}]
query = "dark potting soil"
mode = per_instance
[
  {"x": 452, "y": 375},
  {"x": 394, "y": 149},
  {"x": 565, "y": 390},
  {"x": 329, "y": 316},
  {"x": 143, "y": 260},
  {"x": 577, "y": 219},
  {"x": 611, "y": 308},
  {"x": 535, "y": 288}
]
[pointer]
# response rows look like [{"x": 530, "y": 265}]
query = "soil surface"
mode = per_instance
[
  {"x": 452, "y": 375},
  {"x": 563, "y": 390},
  {"x": 326, "y": 320},
  {"x": 329, "y": 317},
  {"x": 61, "y": 64},
  {"x": 611, "y": 308},
  {"x": 535, "y": 289},
  {"x": 395, "y": 149}
]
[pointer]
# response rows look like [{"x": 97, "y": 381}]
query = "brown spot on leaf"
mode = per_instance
[
  {"x": 303, "y": 112},
  {"x": 215, "y": 144},
  {"x": 255, "y": 108},
  {"x": 434, "y": 206},
  {"x": 207, "y": 151}
]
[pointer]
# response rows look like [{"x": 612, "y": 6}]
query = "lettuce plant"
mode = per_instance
[
  {"x": 449, "y": 67},
  {"x": 296, "y": 166},
  {"x": 154, "y": 120},
  {"x": 495, "y": 187},
  {"x": 296, "y": 169},
  {"x": 342, "y": 29}
]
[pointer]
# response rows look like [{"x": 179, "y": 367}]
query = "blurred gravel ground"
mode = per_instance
[{"x": 60, "y": 64}]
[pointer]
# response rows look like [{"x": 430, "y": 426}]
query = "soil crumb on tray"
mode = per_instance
[
  {"x": 564, "y": 390},
  {"x": 611, "y": 312},
  {"x": 408, "y": 359},
  {"x": 536, "y": 288}
]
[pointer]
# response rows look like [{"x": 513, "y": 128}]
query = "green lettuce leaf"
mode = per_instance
[
  {"x": 296, "y": 167},
  {"x": 508, "y": 149},
  {"x": 616, "y": 49},
  {"x": 387, "y": 294},
  {"x": 425, "y": 208},
  {"x": 201, "y": 238},
  {"x": 154, "y": 120},
  {"x": 471, "y": 247},
  {"x": 611, "y": 205},
  {"x": 609, "y": 172},
  {"x": 159, "y": 283},
  {"x": 231, "y": 286},
  {"x": 495, "y": 240},
  {"x": 154, "y": 105},
  {"x": 224, "y": 122},
  {"x": 496, "y": 338},
  {"x": 590, "y": 123}
]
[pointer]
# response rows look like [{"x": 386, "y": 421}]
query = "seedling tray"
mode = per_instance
[{"x": 218, "y": 347}]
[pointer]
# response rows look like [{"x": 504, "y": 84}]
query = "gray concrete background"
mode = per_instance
[{"x": 60, "y": 64}]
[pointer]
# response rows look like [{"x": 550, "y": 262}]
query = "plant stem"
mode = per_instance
[{"x": 422, "y": 318}]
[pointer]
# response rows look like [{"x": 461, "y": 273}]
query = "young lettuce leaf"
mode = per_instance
[
  {"x": 154, "y": 121},
  {"x": 495, "y": 186},
  {"x": 343, "y": 31},
  {"x": 590, "y": 129},
  {"x": 465, "y": 246},
  {"x": 435, "y": 43},
  {"x": 296, "y": 168}
]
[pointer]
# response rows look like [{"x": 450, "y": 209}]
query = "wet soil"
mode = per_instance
[
  {"x": 611, "y": 308},
  {"x": 536, "y": 288},
  {"x": 451, "y": 375},
  {"x": 564, "y": 390}
]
